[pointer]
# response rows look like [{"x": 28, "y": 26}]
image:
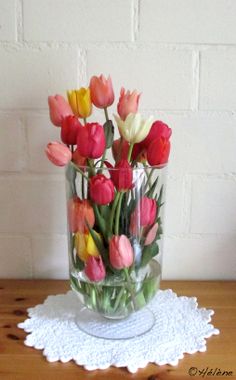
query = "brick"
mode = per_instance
[
  {"x": 38, "y": 73},
  {"x": 163, "y": 75},
  {"x": 15, "y": 257},
  {"x": 188, "y": 21},
  {"x": 213, "y": 202},
  {"x": 32, "y": 205},
  {"x": 200, "y": 258},
  {"x": 218, "y": 79},
  {"x": 77, "y": 20},
  {"x": 209, "y": 143},
  {"x": 12, "y": 145},
  {"x": 50, "y": 257},
  {"x": 7, "y": 20},
  {"x": 40, "y": 131}
]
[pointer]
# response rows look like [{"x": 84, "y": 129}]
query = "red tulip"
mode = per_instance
[
  {"x": 94, "y": 268},
  {"x": 58, "y": 109},
  {"x": 101, "y": 91},
  {"x": 80, "y": 212},
  {"x": 128, "y": 103},
  {"x": 101, "y": 189},
  {"x": 158, "y": 130},
  {"x": 143, "y": 215},
  {"x": 69, "y": 130},
  {"x": 78, "y": 159},
  {"x": 158, "y": 151},
  {"x": 91, "y": 141},
  {"x": 120, "y": 149},
  {"x": 58, "y": 153},
  {"x": 121, "y": 175},
  {"x": 121, "y": 253}
]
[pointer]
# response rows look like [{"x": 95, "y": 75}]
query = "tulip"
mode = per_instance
[
  {"x": 101, "y": 189},
  {"x": 120, "y": 149},
  {"x": 58, "y": 153},
  {"x": 58, "y": 109},
  {"x": 134, "y": 129},
  {"x": 80, "y": 215},
  {"x": 143, "y": 215},
  {"x": 80, "y": 102},
  {"x": 78, "y": 159},
  {"x": 85, "y": 245},
  {"x": 102, "y": 93},
  {"x": 158, "y": 130},
  {"x": 121, "y": 175},
  {"x": 128, "y": 103},
  {"x": 158, "y": 151},
  {"x": 69, "y": 130},
  {"x": 94, "y": 269},
  {"x": 91, "y": 141},
  {"x": 151, "y": 235},
  {"x": 121, "y": 253}
]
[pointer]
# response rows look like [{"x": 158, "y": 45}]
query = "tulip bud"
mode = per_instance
[
  {"x": 101, "y": 189},
  {"x": 128, "y": 103},
  {"x": 91, "y": 140},
  {"x": 80, "y": 102},
  {"x": 143, "y": 215},
  {"x": 58, "y": 153},
  {"x": 134, "y": 129},
  {"x": 151, "y": 235},
  {"x": 80, "y": 213},
  {"x": 120, "y": 149},
  {"x": 69, "y": 130},
  {"x": 158, "y": 152},
  {"x": 158, "y": 130},
  {"x": 102, "y": 93},
  {"x": 121, "y": 175},
  {"x": 120, "y": 252},
  {"x": 58, "y": 109},
  {"x": 94, "y": 269}
]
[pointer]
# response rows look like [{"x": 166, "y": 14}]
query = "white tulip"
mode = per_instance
[{"x": 134, "y": 129}]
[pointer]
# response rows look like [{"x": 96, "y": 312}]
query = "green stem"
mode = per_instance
[
  {"x": 82, "y": 187},
  {"x": 114, "y": 209},
  {"x": 106, "y": 114},
  {"x": 78, "y": 170},
  {"x": 105, "y": 151},
  {"x": 85, "y": 121},
  {"x": 118, "y": 214},
  {"x": 126, "y": 271},
  {"x": 91, "y": 165},
  {"x": 149, "y": 176},
  {"x": 130, "y": 151}
]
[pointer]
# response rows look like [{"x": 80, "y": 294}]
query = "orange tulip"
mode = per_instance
[
  {"x": 80, "y": 212},
  {"x": 101, "y": 91}
]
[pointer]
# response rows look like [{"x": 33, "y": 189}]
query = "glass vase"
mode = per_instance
[{"x": 137, "y": 215}]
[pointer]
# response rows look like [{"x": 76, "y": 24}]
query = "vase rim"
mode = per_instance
[{"x": 105, "y": 168}]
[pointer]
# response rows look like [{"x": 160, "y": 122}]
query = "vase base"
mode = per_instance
[{"x": 98, "y": 326}]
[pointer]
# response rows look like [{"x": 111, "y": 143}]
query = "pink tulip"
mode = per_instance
[
  {"x": 143, "y": 215},
  {"x": 58, "y": 153},
  {"x": 151, "y": 235},
  {"x": 128, "y": 103},
  {"x": 69, "y": 130},
  {"x": 101, "y": 189},
  {"x": 91, "y": 140},
  {"x": 94, "y": 268},
  {"x": 58, "y": 109},
  {"x": 121, "y": 253},
  {"x": 101, "y": 90}
]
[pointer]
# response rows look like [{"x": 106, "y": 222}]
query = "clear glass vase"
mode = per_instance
[{"x": 137, "y": 215}]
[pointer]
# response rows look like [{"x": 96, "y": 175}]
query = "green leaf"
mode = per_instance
[
  {"x": 149, "y": 252},
  {"x": 109, "y": 133},
  {"x": 149, "y": 288},
  {"x": 150, "y": 192},
  {"x": 99, "y": 244}
]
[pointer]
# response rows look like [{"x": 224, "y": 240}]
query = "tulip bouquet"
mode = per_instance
[{"x": 114, "y": 206}]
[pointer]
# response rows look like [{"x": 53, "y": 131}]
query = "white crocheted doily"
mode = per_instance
[{"x": 180, "y": 327}]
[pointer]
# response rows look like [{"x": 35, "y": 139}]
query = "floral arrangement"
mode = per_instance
[{"x": 113, "y": 208}]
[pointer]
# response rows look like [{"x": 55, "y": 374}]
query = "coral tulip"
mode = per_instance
[
  {"x": 102, "y": 93},
  {"x": 143, "y": 215},
  {"x": 58, "y": 153},
  {"x": 91, "y": 141},
  {"x": 94, "y": 269},
  {"x": 158, "y": 130},
  {"x": 78, "y": 159},
  {"x": 101, "y": 189},
  {"x": 134, "y": 129},
  {"x": 58, "y": 109},
  {"x": 80, "y": 213},
  {"x": 120, "y": 149},
  {"x": 121, "y": 253},
  {"x": 69, "y": 130},
  {"x": 128, "y": 103},
  {"x": 121, "y": 175},
  {"x": 158, "y": 151},
  {"x": 85, "y": 245},
  {"x": 80, "y": 102}
]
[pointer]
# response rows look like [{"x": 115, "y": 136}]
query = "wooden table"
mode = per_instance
[{"x": 18, "y": 362}]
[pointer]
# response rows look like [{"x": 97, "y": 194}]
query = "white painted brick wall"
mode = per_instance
[{"x": 182, "y": 56}]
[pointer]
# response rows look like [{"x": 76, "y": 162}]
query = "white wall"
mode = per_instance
[{"x": 182, "y": 55}]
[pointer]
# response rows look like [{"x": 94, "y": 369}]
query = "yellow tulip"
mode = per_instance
[
  {"x": 80, "y": 102},
  {"x": 85, "y": 245}
]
